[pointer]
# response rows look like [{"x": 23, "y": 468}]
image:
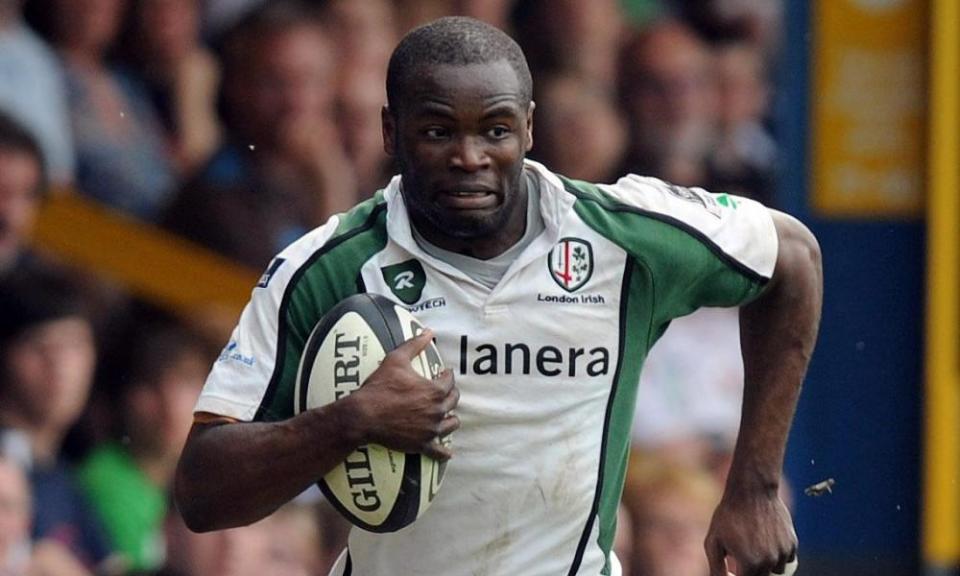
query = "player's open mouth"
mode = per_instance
[{"x": 468, "y": 199}]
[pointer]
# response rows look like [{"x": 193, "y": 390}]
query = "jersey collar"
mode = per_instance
[{"x": 555, "y": 205}]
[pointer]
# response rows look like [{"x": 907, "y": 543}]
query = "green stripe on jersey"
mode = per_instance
[
  {"x": 328, "y": 276},
  {"x": 635, "y": 343},
  {"x": 688, "y": 270}
]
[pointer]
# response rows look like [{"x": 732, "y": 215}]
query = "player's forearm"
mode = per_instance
[
  {"x": 778, "y": 333},
  {"x": 235, "y": 474}
]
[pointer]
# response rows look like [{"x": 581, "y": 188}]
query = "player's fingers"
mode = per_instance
[
  {"x": 762, "y": 568},
  {"x": 445, "y": 380},
  {"x": 451, "y": 400},
  {"x": 715, "y": 557},
  {"x": 436, "y": 450},
  {"x": 784, "y": 565},
  {"x": 780, "y": 567},
  {"x": 449, "y": 423},
  {"x": 414, "y": 346},
  {"x": 787, "y": 567}
]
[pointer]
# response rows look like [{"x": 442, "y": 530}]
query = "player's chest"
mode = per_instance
[{"x": 554, "y": 320}]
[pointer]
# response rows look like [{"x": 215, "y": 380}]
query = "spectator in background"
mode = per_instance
[
  {"x": 127, "y": 482},
  {"x": 413, "y": 13},
  {"x": 295, "y": 542},
  {"x": 21, "y": 186},
  {"x": 493, "y": 12},
  {"x": 668, "y": 90},
  {"x": 220, "y": 16},
  {"x": 623, "y": 540},
  {"x": 282, "y": 169},
  {"x": 364, "y": 34},
  {"x": 670, "y": 507},
  {"x": 359, "y": 101},
  {"x": 580, "y": 131},
  {"x": 757, "y": 22},
  {"x": 743, "y": 161},
  {"x": 689, "y": 412},
  {"x": 570, "y": 36},
  {"x": 32, "y": 91},
  {"x": 640, "y": 12},
  {"x": 290, "y": 542},
  {"x": 121, "y": 155},
  {"x": 14, "y": 518},
  {"x": 47, "y": 359},
  {"x": 18, "y": 555},
  {"x": 161, "y": 45},
  {"x": 22, "y": 190}
]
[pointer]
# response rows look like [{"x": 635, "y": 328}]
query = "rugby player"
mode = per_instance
[{"x": 544, "y": 295}]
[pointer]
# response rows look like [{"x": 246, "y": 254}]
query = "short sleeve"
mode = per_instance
[
  {"x": 702, "y": 249},
  {"x": 240, "y": 376}
]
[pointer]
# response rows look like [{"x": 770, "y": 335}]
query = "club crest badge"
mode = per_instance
[{"x": 571, "y": 263}]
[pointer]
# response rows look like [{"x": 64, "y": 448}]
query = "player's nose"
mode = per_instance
[{"x": 469, "y": 154}]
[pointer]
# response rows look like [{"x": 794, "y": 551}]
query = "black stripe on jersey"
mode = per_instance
[
  {"x": 622, "y": 341},
  {"x": 616, "y": 206},
  {"x": 277, "y": 375}
]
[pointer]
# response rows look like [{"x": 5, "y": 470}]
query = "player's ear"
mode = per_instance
[
  {"x": 388, "y": 125},
  {"x": 530, "y": 124}
]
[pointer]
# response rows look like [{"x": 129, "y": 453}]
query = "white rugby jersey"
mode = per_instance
[{"x": 547, "y": 362}]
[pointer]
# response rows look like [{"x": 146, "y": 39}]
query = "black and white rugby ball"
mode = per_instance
[{"x": 375, "y": 488}]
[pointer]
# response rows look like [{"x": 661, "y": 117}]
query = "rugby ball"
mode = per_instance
[{"x": 375, "y": 488}]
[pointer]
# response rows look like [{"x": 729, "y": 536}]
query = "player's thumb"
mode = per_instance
[
  {"x": 414, "y": 346},
  {"x": 716, "y": 558}
]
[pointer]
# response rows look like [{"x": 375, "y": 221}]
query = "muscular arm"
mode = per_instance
[
  {"x": 233, "y": 474},
  {"x": 777, "y": 333}
]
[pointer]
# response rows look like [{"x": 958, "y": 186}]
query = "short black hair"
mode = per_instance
[
  {"x": 458, "y": 41},
  {"x": 14, "y": 137}
]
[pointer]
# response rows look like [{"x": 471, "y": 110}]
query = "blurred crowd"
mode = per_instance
[{"x": 242, "y": 124}]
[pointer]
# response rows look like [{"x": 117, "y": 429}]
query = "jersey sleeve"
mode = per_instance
[
  {"x": 241, "y": 374},
  {"x": 702, "y": 249}
]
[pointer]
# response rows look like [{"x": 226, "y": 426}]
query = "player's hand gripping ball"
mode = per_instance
[{"x": 375, "y": 488}]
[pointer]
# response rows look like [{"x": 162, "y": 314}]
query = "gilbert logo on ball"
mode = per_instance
[{"x": 375, "y": 488}]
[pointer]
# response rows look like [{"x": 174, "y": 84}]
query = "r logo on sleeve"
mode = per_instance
[{"x": 406, "y": 280}]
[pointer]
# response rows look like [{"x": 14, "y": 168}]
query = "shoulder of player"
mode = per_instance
[
  {"x": 651, "y": 196},
  {"x": 647, "y": 215},
  {"x": 310, "y": 249},
  {"x": 364, "y": 217},
  {"x": 690, "y": 208}
]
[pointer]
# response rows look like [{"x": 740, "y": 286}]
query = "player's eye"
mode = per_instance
[
  {"x": 498, "y": 132},
  {"x": 435, "y": 133}
]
